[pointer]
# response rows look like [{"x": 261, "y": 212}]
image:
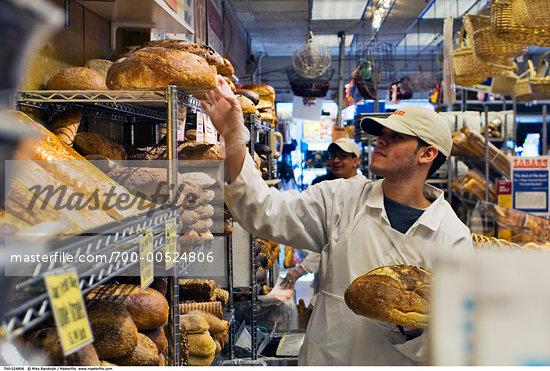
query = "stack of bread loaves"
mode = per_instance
[
  {"x": 198, "y": 233},
  {"x": 127, "y": 325},
  {"x": 266, "y": 102},
  {"x": 201, "y": 311}
]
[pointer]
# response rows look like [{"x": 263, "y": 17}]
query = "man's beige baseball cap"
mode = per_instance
[
  {"x": 417, "y": 121},
  {"x": 346, "y": 145}
]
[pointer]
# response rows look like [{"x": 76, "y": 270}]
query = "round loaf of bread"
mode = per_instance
[
  {"x": 157, "y": 336},
  {"x": 77, "y": 78},
  {"x": 397, "y": 294},
  {"x": 156, "y": 67}
]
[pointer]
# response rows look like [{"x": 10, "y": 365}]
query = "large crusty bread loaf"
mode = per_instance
[
  {"x": 203, "y": 51},
  {"x": 148, "y": 308},
  {"x": 48, "y": 342},
  {"x": 94, "y": 144},
  {"x": 266, "y": 93},
  {"x": 77, "y": 78},
  {"x": 156, "y": 67},
  {"x": 397, "y": 294},
  {"x": 158, "y": 337},
  {"x": 145, "y": 353},
  {"x": 115, "y": 334}
]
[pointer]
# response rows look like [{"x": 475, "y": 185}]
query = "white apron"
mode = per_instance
[{"x": 337, "y": 336}]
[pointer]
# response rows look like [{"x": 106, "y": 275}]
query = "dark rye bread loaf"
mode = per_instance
[{"x": 397, "y": 294}]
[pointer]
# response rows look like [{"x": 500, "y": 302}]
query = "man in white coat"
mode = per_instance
[{"x": 355, "y": 225}]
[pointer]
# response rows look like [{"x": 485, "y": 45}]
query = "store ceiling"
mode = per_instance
[{"x": 278, "y": 27}]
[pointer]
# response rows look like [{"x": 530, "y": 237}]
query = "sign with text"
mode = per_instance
[
  {"x": 200, "y": 127},
  {"x": 171, "y": 242},
  {"x": 68, "y": 310},
  {"x": 504, "y": 193},
  {"x": 146, "y": 259},
  {"x": 530, "y": 186},
  {"x": 210, "y": 133},
  {"x": 180, "y": 125}
]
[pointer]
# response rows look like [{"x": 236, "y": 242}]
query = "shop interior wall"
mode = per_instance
[
  {"x": 88, "y": 37},
  {"x": 235, "y": 43}
]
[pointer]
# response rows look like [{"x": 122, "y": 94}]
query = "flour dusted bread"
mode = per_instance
[
  {"x": 77, "y": 78},
  {"x": 204, "y": 51},
  {"x": 396, "y": 294},
  {"x": 115, "y": 334},
  {"x": 157, "y": 67},
  {"x": 99, "y": 65}
]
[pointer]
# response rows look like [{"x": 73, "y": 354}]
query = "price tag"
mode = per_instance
[
  {"x": 171, "y": 242},
  {"x": 200, "y": 127},
  {"x": 146, "y": 259},
  {"x": 69, "y": 311},
  {"x": 180, "y": 125},
  {"x": 210, "y": 133}
]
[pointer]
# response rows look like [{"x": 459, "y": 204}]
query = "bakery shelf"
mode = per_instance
[
  {"x": 30, "y": 304},
  {"x": 259, "y": 125},
  {"x": 113, "y": 99}
]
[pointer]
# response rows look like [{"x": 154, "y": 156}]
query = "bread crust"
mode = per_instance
[
  {"x": 157, "y": 67},
  {"x": 397, "y": 294}
]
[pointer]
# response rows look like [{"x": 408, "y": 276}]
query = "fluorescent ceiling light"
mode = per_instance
[
  {"x": 449, "y": 8},
  {"x": 419, "y": 39},
  {"x": 331, "y": 41},
  {"x": 345, "y": 9}
]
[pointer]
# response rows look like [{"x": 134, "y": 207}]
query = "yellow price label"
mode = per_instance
[
  {"x": 69, "y": 311},
  {"x": 146, "y": 259},
  {"x": 171, "y": 242}
]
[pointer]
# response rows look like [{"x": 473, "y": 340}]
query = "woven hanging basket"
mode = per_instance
[
  {"x": 522, "y": 89},
  {"x": 506, "y": 27},
  {"x": 540, "y": 85},
  {"x": 531, "y": 13}
]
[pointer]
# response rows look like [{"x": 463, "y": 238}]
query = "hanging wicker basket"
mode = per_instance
[
  {"x": 506, "y": 27},
  {"x": 531, "y": 13},
  {"x": 504, "y": 84},
  {"x": 469, "y": 70},
  {"x": 540, "y": 85},
  {"x": 522, "y": 89}
]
